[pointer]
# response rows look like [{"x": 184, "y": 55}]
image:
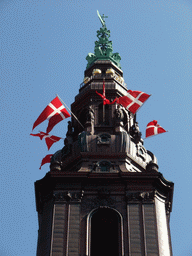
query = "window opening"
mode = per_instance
[{"x": 105, "y": 233}]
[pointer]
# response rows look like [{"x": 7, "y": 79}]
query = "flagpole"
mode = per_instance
[{"x": 70, "y": 111}]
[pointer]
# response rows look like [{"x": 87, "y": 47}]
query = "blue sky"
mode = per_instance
[{"x": 44, "y": 45}]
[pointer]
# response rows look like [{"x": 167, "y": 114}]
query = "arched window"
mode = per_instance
[{"x": 105, "y": 233}]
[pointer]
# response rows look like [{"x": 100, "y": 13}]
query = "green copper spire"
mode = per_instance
[{"x": 103, "y": 47}]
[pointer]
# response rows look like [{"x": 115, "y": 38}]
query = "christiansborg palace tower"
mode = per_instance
[{"x": 103, "y": 195}]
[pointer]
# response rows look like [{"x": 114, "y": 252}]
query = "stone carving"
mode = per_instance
[
  {"x": 90, "y": 117},
  {"x": 104, "y": 139},
  {"x": 140, "y": 196},
  {"x": 56, "y": 161},
  {"x": 90, "y": 114},
  {"x": 135, "y": 132},
  {"x": 83, "y": 141},
  {"x": 144, "y": 195},
  {"x": 68, "y": 196},
  {"x": 105, "y": 166},
  {"x": 66, "y": 149},
  {"x": 141, "y": 151},
  {"x": 60, "y": 155},
  {"x": 152, "y": 167},
  {"x": 119, "y": 114}
]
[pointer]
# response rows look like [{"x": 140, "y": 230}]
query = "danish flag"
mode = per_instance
[
  {"x": 133, "y": 100},
  {"x": 54, "y": 112},
  {"x": 105, "y": 100},
  {"x": 49, "y": 139},
  {"x": 45, "y": 160},
  {"x": 153, "y": 128}
]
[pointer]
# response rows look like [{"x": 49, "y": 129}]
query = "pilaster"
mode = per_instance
[
  {"x": 66, "y": 223},
  {"x": 142, "y": 224}
]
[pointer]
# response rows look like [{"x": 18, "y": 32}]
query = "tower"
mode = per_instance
[{"x": 103, "y": 194}]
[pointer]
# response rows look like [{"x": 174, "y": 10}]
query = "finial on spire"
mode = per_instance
[
  {"x": 102, "y": 18},
  {"x": 103, "y": 47}
]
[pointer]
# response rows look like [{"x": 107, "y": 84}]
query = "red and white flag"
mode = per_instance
[
  {"x": 153, "y": 128},
  {"x": 45, "y": 160},
  {"x": 54, "y": 112},
  {"x": 49, "y": 139},
  {"x": 133, "y": 100},
  {"x": 105, "y": 100}
]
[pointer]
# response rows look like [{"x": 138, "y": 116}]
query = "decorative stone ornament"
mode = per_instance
[
  {"x": 86, "y": 80},
  {"x": 71, "y": 196},
  {"x": 103, "y": 48},
  {"x": 140, "y": 196},
  {"x": 110, "y": 71},
  {"x": 96, "y": 71}
]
